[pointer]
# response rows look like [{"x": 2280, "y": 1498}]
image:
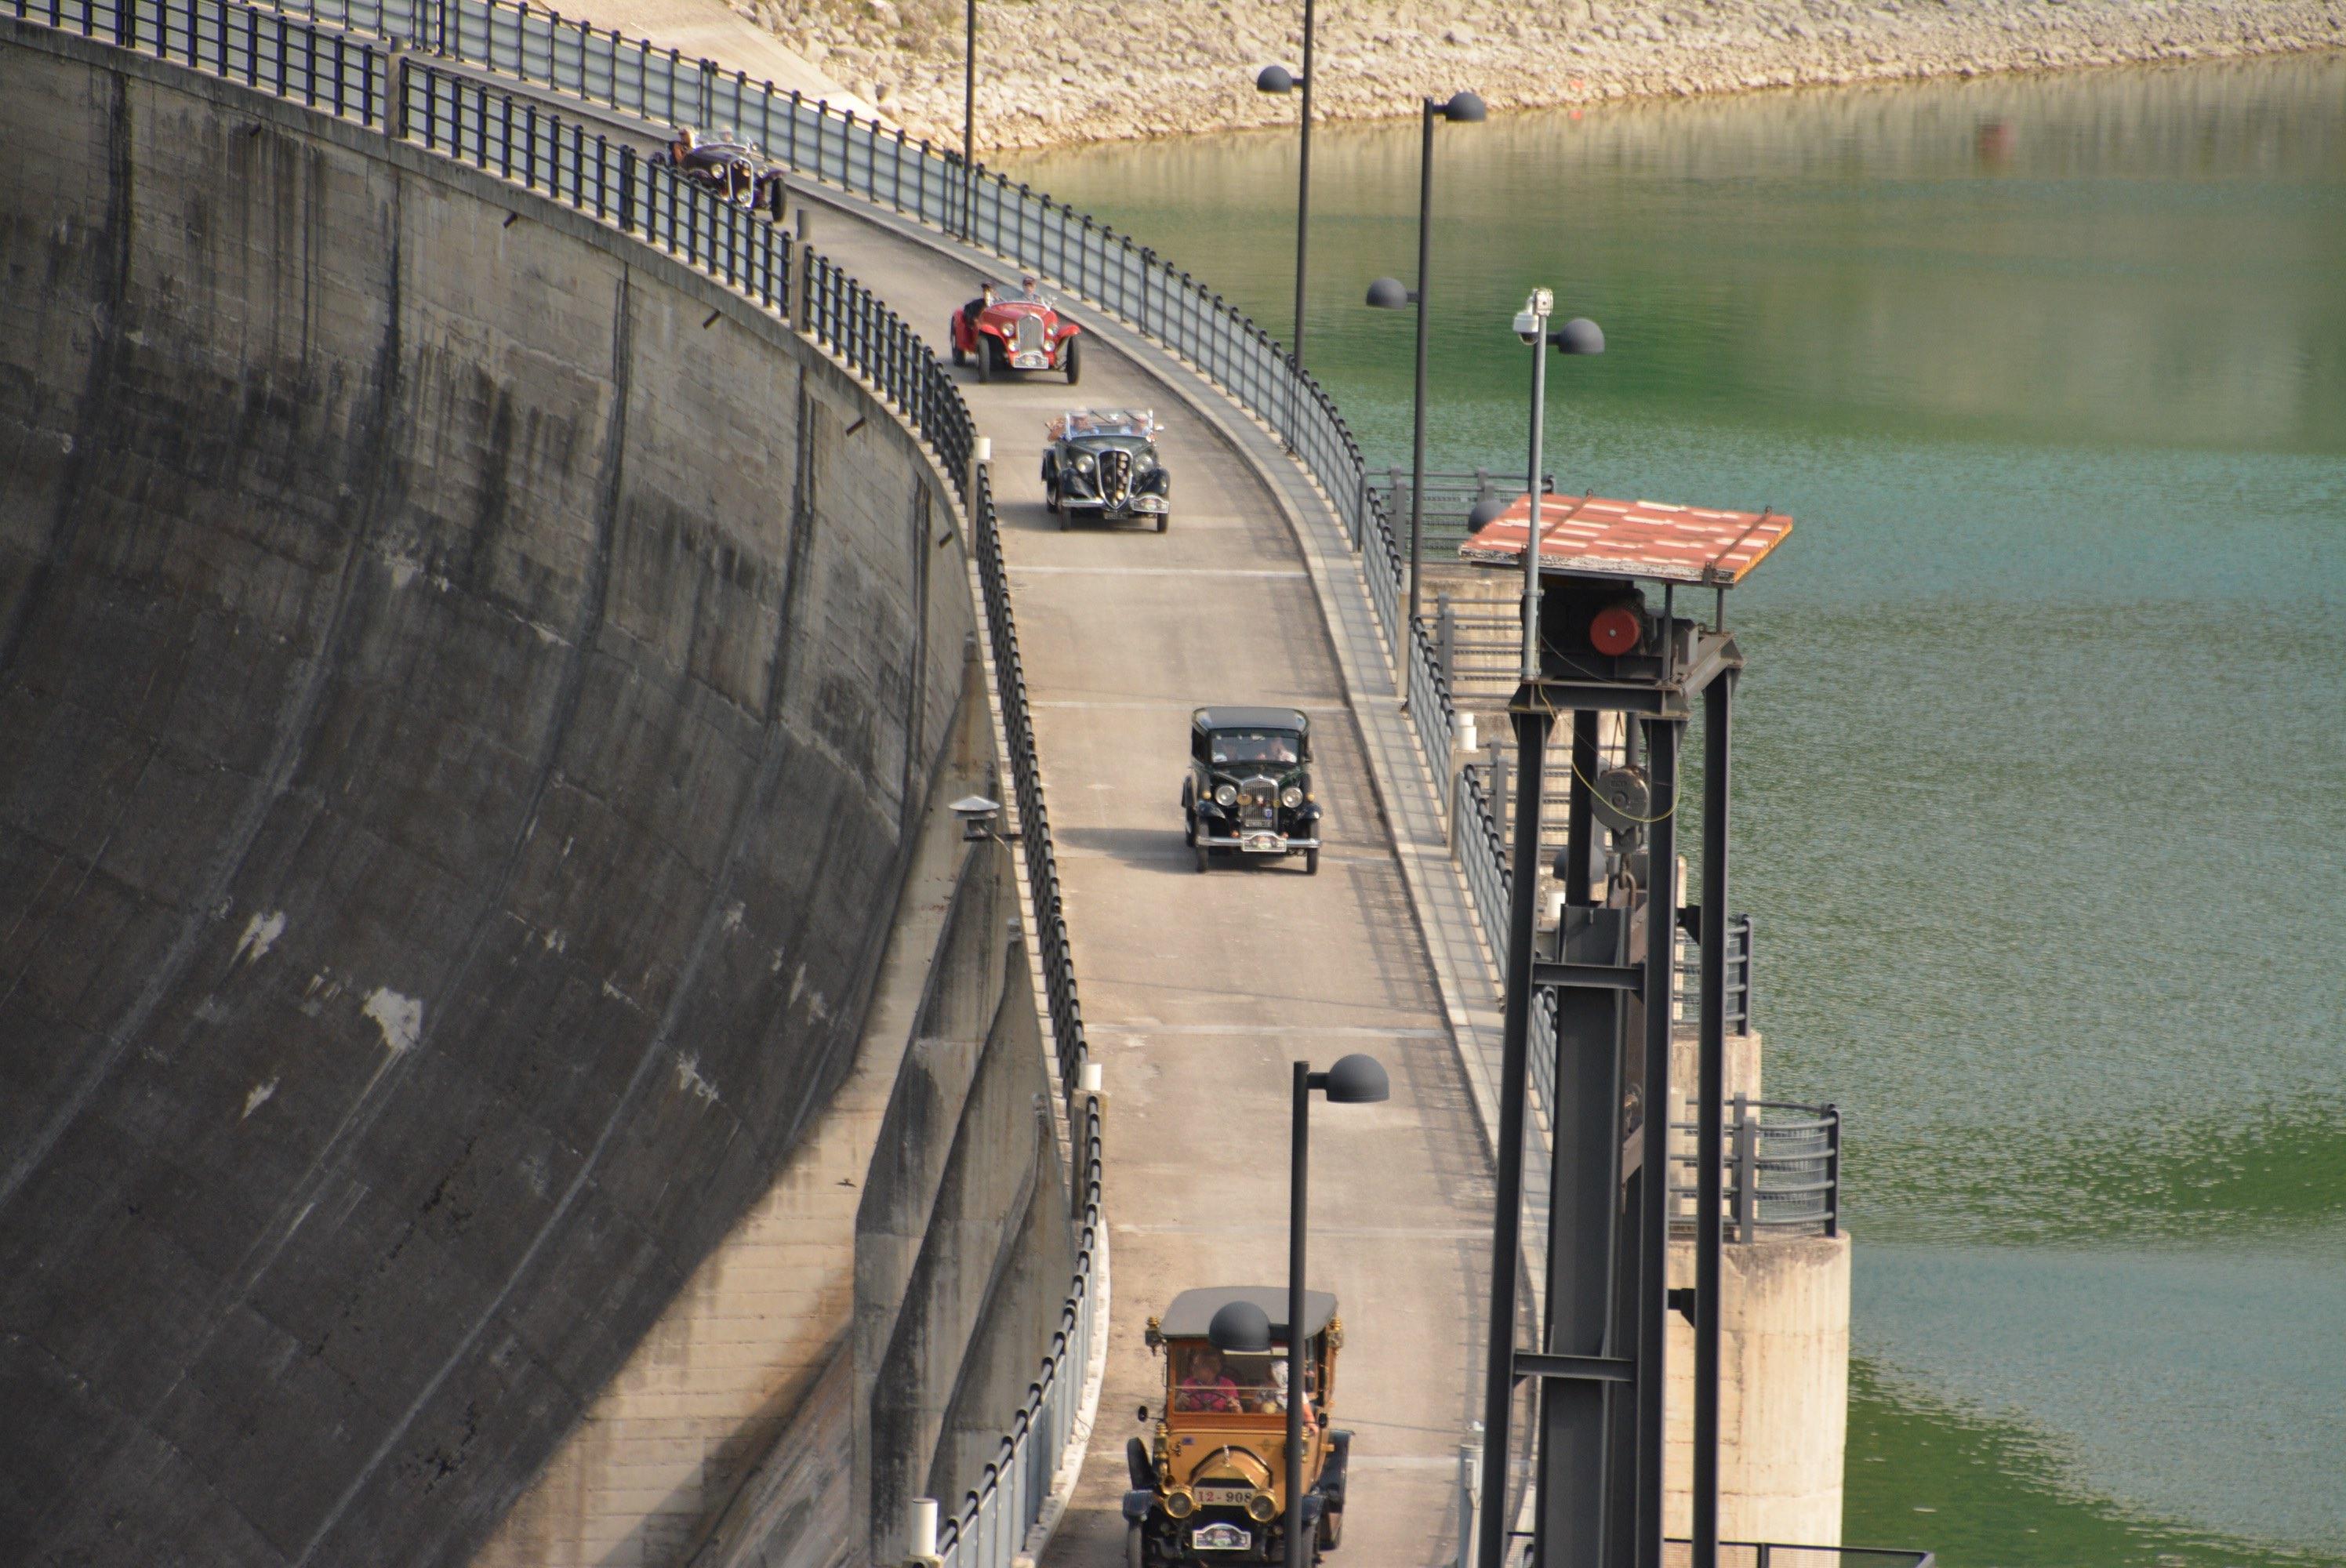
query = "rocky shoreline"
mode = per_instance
[{"x": 1056, "y": 73}]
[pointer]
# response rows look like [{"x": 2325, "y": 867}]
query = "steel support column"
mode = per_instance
[
  {"x": 1578, "y": 822},
  {"x": 1578, "y": 1519},
  {"x": 1710, "y": 1072},
  {"x": 1532, "y": 731},
  {"x": 1299, "y": 1172},
  {"x": 1653, "y": 1195}
]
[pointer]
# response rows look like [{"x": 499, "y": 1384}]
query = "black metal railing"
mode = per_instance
[
  {"x": 1784, "y": 1554},
  {"x": 1686, "y": 972},
  {"x": 1781, "y": 1169},
  {"x": 1450, "y": 498}
]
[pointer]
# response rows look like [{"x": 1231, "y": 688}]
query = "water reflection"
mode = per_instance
[{"x": 1899, "y": 258}]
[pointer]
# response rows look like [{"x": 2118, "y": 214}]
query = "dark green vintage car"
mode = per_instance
[
  {"x": 1249, "y": 784},
  {"x": 1103, "y": 462}
]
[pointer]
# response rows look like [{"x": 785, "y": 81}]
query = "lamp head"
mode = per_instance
[
  {"x": 1387, "y": 294},
  {"x": 1579, "y": 336},
  {"x": 1464, "y": 108},
  {"x": 1274, "y": 79},
  {"x": 977, "y": 816},
  {"x": 1241, "y": 1327},
  {"x": 1358, "y": 1080},
  {"x": 1485, "y": 512}
]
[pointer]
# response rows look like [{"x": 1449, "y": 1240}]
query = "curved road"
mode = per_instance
[{"x": 1199, "y": 990}]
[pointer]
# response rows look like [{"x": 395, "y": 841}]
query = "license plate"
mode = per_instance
[
  {"x": 1029, "y": 361},
  {"x": 1263, "y": 844},
  {"x": 1220, "y": 1538},
  {"x": 1224, "y": 1496}
]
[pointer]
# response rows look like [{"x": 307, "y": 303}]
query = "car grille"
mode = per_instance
[
  {"x": 1258, "y": 803},
  {"x": 1116, "y": 475},
  {"x": 1030, "y": 334}
]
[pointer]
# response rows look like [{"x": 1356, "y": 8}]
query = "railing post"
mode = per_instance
[
  {"x": 394, "y": 91},
  {"x": 1747, "y": 1169},
  {"x": 923, "y": 1533},
  {"x": 1445, "y": 642},
  {"x": 1470, "y": 1498},
  {"x": 1832, "y": 1170},
  {"x": 1498, "y": 798}
]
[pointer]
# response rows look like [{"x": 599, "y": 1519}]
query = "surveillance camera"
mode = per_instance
[{"x": 1527, "y": 326}]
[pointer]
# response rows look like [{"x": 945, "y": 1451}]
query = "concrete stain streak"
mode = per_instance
[
  {"x": 260, "y": 934},
  {"x": 401, "y": 1018}
]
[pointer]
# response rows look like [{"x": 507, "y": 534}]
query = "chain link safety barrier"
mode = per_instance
[{"x": 312, "y": 64}]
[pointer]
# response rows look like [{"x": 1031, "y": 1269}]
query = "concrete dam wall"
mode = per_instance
[{"x": 470, "y": 692}]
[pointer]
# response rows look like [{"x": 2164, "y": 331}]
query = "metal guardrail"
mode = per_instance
[
  {"x": 990, "y": 1527},
  {"x": 1686, "y": 972},
  {"x": 1780, "y": 1176},
  {"x": 520, "y": 141},
  {"x": 1449, "y": 497},
  {"x": 1783, "y": 1554}
]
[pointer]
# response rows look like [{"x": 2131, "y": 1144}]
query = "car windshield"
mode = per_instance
[
  {"x": 1207, "y": 1381},
  {"x": 1281, "y": 747}
]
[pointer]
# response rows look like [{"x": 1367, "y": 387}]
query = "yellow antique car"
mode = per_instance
[{"x": 1212, "y": 1486}]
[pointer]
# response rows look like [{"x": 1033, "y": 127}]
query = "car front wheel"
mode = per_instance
[
  {"x": 985, "y": 351},
  {"x": 1135, "y": 1551},
  {"x": 1201, "y": 850},
  {"x": 1072, "y": 356},
  {"x": 1164, "y": 520},
  {"x": 1310, "y": 862}
]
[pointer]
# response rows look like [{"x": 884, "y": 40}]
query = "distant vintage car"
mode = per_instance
[
  {"x": 1020, "y": 331},
  {"x": 1212, "y": 1485},
  {"x": 1104, "y": 462},
  {"x": 1249, "y": 784}
]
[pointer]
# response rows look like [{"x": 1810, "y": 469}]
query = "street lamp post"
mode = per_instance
[
  {"x": 1279, "y": 79},
  {"x": 1354, "y": 1080},
  {"x": 969, "y": 125},
  {"x": 1578, "y": 336},
  {"x": 1533, "y": 723},
  {"x": 1386, "y": 293}
]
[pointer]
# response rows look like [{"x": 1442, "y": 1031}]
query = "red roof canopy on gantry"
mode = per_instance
[{"x": 1591, "y": 537}]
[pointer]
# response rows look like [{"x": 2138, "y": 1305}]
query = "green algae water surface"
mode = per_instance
[{"x": 2043, "y": 798}]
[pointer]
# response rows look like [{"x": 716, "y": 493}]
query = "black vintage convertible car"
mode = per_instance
[
  {"x": 1104, "y": 462},
  {"x": 1249, "y": 784}
]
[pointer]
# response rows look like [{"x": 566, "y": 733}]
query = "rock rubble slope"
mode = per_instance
[{"x": 1058, "y": 72}]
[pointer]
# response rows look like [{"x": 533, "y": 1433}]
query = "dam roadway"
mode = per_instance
[{"x": 1199, "y": 991}]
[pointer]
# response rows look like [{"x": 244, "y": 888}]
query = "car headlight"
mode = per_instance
[
  {"x": 1180, "y": 1503},
  {"x": 1290, "y": 797},
  {"x": 1262, "y": 1508},
  {"x": 1082, "y": 463},
  {"x": 1226, "y": 794}
]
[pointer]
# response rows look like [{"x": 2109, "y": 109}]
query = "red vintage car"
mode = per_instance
[{"x": 1020, "y": 332}]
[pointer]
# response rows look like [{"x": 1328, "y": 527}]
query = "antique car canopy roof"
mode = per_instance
[
  {"x": 1588, "y": 535},
  {"x": 1213, "y": 718},
  {"x": 1077, "y": 422},
  {"x": 1193, "y": 1310}
]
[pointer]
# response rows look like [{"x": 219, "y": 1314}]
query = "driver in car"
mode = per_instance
[
  {"x": 976, "y": 308},
  {"x": 1206, "y": 1388}
]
